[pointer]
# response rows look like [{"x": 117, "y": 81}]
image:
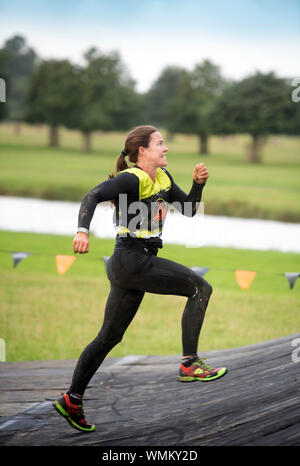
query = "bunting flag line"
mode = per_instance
[
  {"x": 63, "y": 263},
  {"x": 245, "y": 278}
]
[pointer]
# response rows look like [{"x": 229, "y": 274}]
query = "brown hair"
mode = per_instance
[{"x": 138, "y": 136}]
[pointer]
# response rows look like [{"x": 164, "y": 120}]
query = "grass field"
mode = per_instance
[
  {"x": 44, "y": 315},
  {"x": 49, "y": 316},
  {"x": 270, "y": 190}
]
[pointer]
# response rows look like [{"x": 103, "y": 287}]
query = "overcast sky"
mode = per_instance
[{"x": 241, "y": 36}]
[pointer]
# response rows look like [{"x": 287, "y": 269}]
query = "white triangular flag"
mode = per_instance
[
  {"x": 18, "y": 256},
  {"x": 292, "y": 277},
  {"x": 106, "y": 259},
  {"x": 200, "y": 270}
]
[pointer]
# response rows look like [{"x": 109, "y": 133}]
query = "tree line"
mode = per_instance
[{"x": 100, "y": 95}]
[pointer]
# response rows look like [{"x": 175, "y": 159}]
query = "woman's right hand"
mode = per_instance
[{"x": 81, "y": 243}]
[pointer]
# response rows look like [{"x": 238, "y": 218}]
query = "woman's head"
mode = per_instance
[{"x": 141, "y": 142}]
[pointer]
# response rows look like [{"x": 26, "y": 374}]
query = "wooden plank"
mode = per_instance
[{"x": 138, "y": 401}]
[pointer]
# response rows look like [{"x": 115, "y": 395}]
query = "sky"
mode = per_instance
[{"x": 240, "y": 36}]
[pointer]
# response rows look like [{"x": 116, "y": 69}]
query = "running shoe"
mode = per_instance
[
  {"x": 73, "y": 413},
  {"x": 198, "y": 370}
]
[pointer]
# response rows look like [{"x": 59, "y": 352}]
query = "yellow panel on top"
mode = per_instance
[{"x": 146, "y": 186}]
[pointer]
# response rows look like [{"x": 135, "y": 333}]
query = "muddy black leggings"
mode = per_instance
[{"x": 132, "y": 271}]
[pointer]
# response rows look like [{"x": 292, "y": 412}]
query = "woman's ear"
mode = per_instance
[{"x": 141, "y": 151}]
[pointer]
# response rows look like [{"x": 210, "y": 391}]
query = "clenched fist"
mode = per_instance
[
  {"x": 81, "y": 243},
  {"x": 200, "y": 174}
]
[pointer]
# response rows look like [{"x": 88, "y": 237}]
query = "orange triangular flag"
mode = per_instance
[
  {"x": 63, "y": 263},
  {"x": 244, "y": 278}
]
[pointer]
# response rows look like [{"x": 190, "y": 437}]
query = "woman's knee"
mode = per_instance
[
  {"x": 203, "y": 288},
  {"x": 207, "y": 289}
]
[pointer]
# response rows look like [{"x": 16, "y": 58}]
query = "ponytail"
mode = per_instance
[{"x": 121, "y": 164}]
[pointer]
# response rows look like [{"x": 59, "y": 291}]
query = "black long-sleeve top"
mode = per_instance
[{"x": 141, "y": 204}]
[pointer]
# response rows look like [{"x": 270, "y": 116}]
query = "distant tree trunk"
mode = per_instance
[
  {"x": 86, "y": 146},
  {"x": 17, "y": 128},
  {"x": 170, "y": 135},
  {"x": 254, "y": 149},
  {"x": 203, "y": 144},
  {"x": 53, "y": 136}
]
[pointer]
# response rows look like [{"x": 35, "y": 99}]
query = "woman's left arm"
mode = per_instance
[{"x": 188, "y": 203}]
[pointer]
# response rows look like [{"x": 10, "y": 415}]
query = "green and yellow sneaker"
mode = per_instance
[
  {"x": 198, "y": 370},
  {"x": 73, "y": 413}
]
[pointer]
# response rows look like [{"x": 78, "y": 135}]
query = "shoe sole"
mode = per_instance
[
  {"x": 185, "y": 378},
  {"x": 68, "y": 418}
]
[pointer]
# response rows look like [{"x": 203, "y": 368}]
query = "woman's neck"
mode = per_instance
[{"x": 148, "y": 169}]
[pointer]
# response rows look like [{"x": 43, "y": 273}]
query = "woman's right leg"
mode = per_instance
[{"x": 121, "y": 307}]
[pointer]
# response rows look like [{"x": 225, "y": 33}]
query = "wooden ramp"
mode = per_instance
[{"x": 137, "y": 400}]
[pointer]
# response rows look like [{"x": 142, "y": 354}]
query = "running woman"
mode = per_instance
[{"x": 141, "y": 194}]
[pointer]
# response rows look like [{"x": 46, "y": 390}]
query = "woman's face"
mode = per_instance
[{"x": 155, "y": 153}]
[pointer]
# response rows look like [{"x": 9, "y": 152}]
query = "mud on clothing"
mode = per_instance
[{"x": 134, "y": 267}]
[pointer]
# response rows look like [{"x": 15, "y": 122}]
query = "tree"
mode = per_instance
[
  {"x": 259, "y": 105},
  {"x": 159, "y": 98},
  {"x": 106, "y": 98},
  {"x": 17, "y": 63},
  {"x": 53, "y": 95},
  {"x": 189, "y": 110}
]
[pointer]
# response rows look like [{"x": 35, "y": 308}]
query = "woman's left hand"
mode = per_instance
[{"x": 200, "y": 174}]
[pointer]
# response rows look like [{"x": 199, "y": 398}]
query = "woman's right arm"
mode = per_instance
[{"x": 106, "y": 191}]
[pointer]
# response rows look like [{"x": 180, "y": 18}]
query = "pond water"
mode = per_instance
[{"x": 59, "y": 217}]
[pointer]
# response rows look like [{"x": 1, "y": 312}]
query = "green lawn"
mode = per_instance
[
  {"x": 270, "y": 190},
  {"x": 44, "y": 315}
]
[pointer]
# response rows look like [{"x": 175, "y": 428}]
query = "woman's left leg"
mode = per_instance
[{"x": 164, "y": 276}]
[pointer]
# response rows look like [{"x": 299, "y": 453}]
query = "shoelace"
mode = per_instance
[
  {"x": 77, "y": 409},
  {"x": 202, "y": 364},
  {"x": 80, "y": 411}
]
